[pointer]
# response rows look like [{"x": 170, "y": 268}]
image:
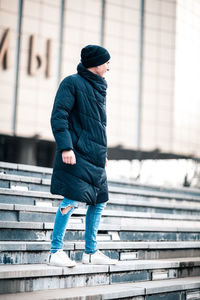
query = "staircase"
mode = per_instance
[{"x": 154, "y": 233}]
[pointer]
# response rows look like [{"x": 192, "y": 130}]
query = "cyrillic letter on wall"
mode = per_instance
[
  {"x": 4, "y": 50},
  {"x": 37, "y": 62}
]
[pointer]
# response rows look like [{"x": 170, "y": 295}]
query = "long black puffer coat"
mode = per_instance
[{"x": 78, "y": 122}]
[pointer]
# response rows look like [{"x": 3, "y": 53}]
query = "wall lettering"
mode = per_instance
[
  {"x": 37, "y": 62},
  {"x": 4, "y": 50}
]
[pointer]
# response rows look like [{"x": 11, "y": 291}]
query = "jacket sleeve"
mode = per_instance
[{"x": 63, "y": 104}]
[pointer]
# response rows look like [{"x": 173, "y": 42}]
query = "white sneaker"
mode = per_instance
[
  {"x": 98, "y": 258},
  {"x": 60, "y": 259}
]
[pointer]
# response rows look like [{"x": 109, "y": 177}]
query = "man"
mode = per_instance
[{"x": 78, "y": 123}]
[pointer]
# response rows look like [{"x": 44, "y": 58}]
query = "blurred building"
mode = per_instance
[{"x": 153, "y": 97}]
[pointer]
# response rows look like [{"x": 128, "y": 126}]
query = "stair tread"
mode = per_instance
[
  {"x": 31, "y": 246},
  {"x": 114, "y": 291},
  {"x": 149, "y": 193},
  {"x": 24, "y": 167},
  {"x": 129, "y": 202},
  {"x": 35, "y": 270},
  {"x": 122, "y": 181},
  {"x": 106, "y": 212},
  {"x": 160, "y": 193},
  {"x": 177, "y": 206},
  {"x": 22, "y": 178},
  {"x": 161, "y": 227}
]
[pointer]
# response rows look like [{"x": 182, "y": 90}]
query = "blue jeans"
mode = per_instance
[{"x": 92, "y": 220}]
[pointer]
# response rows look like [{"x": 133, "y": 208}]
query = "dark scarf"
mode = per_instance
[{"x": 96, "y": 81}]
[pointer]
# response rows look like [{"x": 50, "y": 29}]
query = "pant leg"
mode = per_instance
[
  {"x": 60, "y": 224},
  {"x": 92, "y": 221}
]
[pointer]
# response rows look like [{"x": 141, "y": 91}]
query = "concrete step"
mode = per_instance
[
  {"x": 25, "y": 170},
  {"x": 122, "y": 182},
  {"x": 187, "y": 288},
  {"x": 152, "y": 205},
  {"x": 123, "y": 190},
  {"x": 78, "y": 224},
  {"x": 33, "y": 213},
  {"x": 119, "y": 194},
  {"x": 156, "y": 237},
  {"x": 41, "y": 172},
  {"x": 18, "y": 252},
  {"x": 34, "y": 231},
  {"x": 21, "y": 278},
  {"x": 28, "y": 197},
  {"x": 19, "y": 182},
  {"x": 26, "y": 183}
]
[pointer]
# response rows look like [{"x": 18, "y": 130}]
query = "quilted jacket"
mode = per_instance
[{"x": 78, "y": 122}]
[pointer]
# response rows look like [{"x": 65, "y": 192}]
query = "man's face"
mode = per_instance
[{"x": 102, "y": 69}]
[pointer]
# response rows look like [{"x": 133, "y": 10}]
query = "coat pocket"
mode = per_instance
[{"x": 91, "y": 151}]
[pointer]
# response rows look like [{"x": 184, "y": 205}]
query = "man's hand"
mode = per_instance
[{"x": 68, "y": 157}]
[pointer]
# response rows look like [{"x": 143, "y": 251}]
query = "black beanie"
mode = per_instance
[{"x": 93, "y": 55}]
